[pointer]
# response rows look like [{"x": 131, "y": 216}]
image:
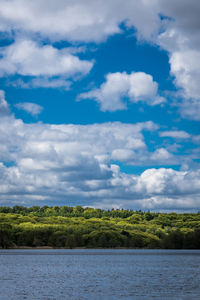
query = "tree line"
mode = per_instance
[{"x": 71, "y": 227}]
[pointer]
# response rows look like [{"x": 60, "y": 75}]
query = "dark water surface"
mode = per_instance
[{"x": 99, "y": 274}]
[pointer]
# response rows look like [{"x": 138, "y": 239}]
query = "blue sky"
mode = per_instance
[{"x": 99, "y": 104}]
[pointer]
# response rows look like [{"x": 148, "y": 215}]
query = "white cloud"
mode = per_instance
[
  {"x": 142, "y": 87},
  {"x": 175, "y": 134},
  {"x": 122, "y": 155},
  {"x": 181, "y": 31},
  {"x": 190, "y": 109},
  {"x": 177, "y": 32},
  {"x": 155, "y": 189},
  {"x": 161, "y": 154},
  {"x": 68, "y": 141},
  {"x": 169, "y": 181},
  {"x": 4, "y": 107},
  {"x": 181, "y": 39},
  {"x": 185, "y": 66},
  {"x": 77, "y": 20},
  {"x": 97, "y": 20},
  {"x": 70, "y": 163},
  {"x": 73, "y": 164},
  {"x": 27, "y": 58},
  {"x": 41, "y": 82},
  {"x": 31, "y": 108},
  {"x": 137, "y": 86}
]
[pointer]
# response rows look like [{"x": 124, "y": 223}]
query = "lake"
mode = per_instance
[{"x": 99, "y": 274}]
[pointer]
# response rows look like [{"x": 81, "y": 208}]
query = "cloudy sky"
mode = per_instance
[{"x": 100, "y": 103}]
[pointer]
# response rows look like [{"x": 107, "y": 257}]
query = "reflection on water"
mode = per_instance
[{"x": 99, "y": 274}]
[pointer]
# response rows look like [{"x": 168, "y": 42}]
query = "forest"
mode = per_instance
[{"x": 74, "y": 227}]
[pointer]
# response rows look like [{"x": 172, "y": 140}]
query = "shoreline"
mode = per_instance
[
  {"x": 66, "y": 248},
  {"x": 85, "y": 248}
]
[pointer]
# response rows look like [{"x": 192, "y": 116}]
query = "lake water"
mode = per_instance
[{"x": 99, "y": 274}]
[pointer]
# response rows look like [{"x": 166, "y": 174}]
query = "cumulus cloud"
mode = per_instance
[
  {"x": 181, "y": 29},
  {"x": 185, "y": 66},
  {"x": 78, "y": 20},
  {"x": 74, "y": 164},
  {"x": 158, "y": 189},
  {"x": 70, "y": 163},
  {"x": 161, "y": 154},
  {"x": 27, "y": 58},
  {"x": 169, "y": 181},
  {"x": 122, "y": 155},
  {"x": 31, "y": 108},
  {"x": 95, "y": 21},
  {"x": 137, "y": 86},
  {"x": 173, "y": 25},
  {"x": 181, "y": 39}
]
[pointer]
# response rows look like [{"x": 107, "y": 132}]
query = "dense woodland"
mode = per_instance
[{"x": 71, "y": 227}]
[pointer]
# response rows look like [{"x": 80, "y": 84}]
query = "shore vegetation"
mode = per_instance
[{"x": 72, "y": 227}]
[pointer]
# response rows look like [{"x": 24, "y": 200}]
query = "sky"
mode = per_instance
[{"x": 100, "y": 104}]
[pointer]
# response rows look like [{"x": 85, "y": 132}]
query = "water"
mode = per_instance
[{"x": 99, "y": 274}]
